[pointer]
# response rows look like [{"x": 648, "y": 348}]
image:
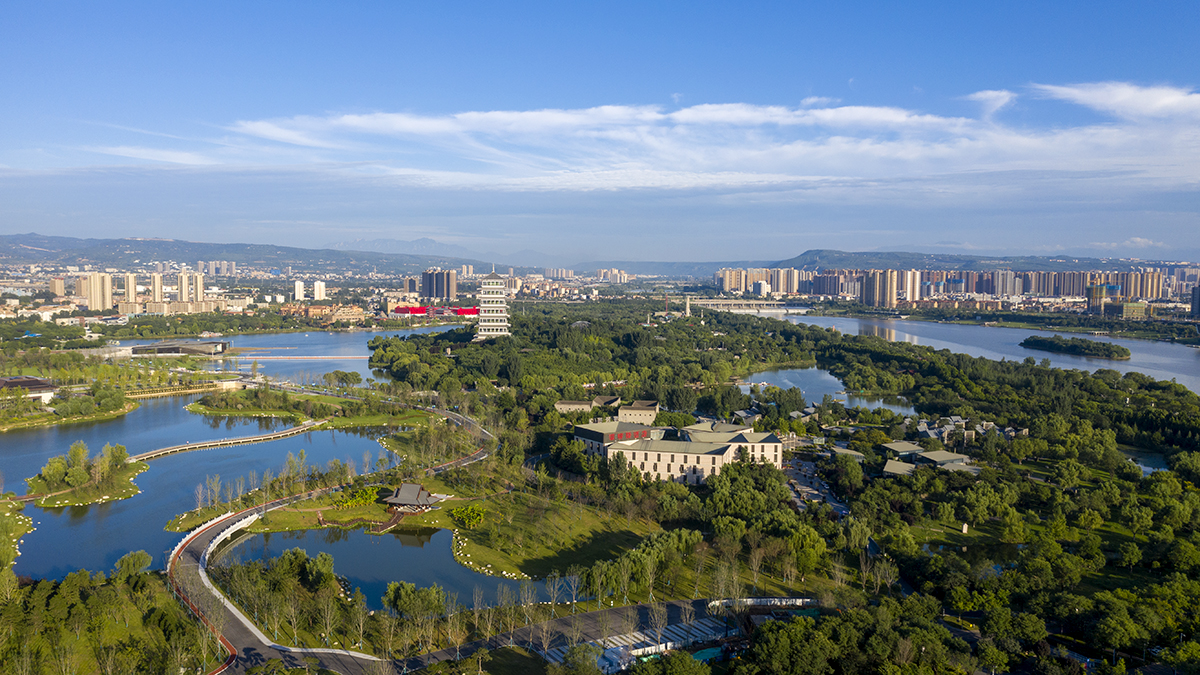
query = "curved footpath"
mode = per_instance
[
  {"x": 248, "y": 647},
  {"x": 226, "y": 442}
]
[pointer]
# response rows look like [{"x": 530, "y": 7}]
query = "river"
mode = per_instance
[{"x": 1160, "y": 360}]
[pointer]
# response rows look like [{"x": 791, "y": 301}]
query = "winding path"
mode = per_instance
[
  {"x": 226, "y": 442},
  {"x": 249, "y": 647}
]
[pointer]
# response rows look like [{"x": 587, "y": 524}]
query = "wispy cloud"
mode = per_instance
[
  {"x": 992, "y": 100},
  {"x": 819, "y": 148},
  {"x": 1131, "y": 243},
  {"x": 157, "y": 155},
  {"x": 1128, "y": 100}
]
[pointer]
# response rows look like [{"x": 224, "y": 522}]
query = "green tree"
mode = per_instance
[
  {"x": 1130, "y": 554},
  {"x": 130, "y": 565},
  {"x": 672, "y": 663}
]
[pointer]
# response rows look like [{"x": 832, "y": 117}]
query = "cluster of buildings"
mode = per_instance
[
  {"x": 893, "y": 288},
  {"x": 329, "y": 314},
  {"x": 700, "y": 451}
]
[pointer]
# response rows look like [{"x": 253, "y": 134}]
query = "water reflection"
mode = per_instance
[
  {"x": 230, "y": 422},
  {"x": 420, "y": 556}
]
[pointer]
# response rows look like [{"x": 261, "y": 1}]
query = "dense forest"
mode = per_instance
[{"x": 1076, "y": 346}]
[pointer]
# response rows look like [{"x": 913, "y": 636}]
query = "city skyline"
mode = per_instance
[{"x": 745, "y": 130}]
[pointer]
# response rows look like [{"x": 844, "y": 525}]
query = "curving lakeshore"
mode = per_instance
[{"x": 1160, "y": 360}]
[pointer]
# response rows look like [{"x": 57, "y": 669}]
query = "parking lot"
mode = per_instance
[{"x": 807, "y": 486}]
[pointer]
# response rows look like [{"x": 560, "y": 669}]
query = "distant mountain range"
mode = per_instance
[
  {"x": 33, "y": 248},
  {"x": 432, "y": 247},
  {"x": 409, "y": 257}
]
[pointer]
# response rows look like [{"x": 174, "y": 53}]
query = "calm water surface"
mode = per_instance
[
  {"x": 94, "y": 537},
  {"x": 313, "y": 343},
  {"x": 1160, "y": 360},
  {"x": 422, "y": 557}
]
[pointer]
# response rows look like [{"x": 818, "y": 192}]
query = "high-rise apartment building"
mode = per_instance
[
  {"x": 298, "y": 292},
  {"x": 98, "y": 286},
  {"x": 468, "y": 270},
  {"x": 156, "y": 287},
  {"x": 1006, "y": 282},
  {"x": 191, "y": 287},
  {"x": 440, "y": 284},
  {"x": 493, "y": 309},
  {"x": 130, "y": 287},
  {"x": 58, "y": 286},
  {"x": 909, "y": 285},
  {"x": 879, "y": 288},
  {"x": 1196, "y": 301},
  {"x": 318, "y": 290}
]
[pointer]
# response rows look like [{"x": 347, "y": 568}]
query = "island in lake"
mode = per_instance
[{"x": 1076, "y": 346}]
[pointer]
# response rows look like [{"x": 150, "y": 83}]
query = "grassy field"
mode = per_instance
[
  {"x": 403, "y": 417},
  {"x": 122, "y": 487}
]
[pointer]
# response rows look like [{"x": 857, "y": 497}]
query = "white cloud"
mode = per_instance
[
  {"x": 819, "y": 149},
  {"x": 1131, "y": 243},
  {"x": 156, "y": 155},
  {"x": 992, "y": 100},
  {"x": 1128, "y": 100}
]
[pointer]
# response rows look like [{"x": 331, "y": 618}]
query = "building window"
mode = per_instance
[{"x": 672, "y": 458}]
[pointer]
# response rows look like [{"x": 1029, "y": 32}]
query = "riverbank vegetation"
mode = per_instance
[
  {"x": 14, "y": 525},
  {"x": 1067, "y": 322},
  {"x": 1076, "y": 346},
  {"x": 265, "y": 401},
  {"x": 123, "y": 622}
]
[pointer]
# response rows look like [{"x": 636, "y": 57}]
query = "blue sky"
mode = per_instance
[{"x": 667, "y": 131}]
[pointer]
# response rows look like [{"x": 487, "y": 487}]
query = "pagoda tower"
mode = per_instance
[{"x": 493, "y": 309}]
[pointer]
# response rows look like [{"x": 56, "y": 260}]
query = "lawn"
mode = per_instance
[
  {"x": 50, "y": 419},
  {"x": 120, "y": 487},
  {"x": 13, "y": 525},
  {"x": 514, "y": 661}
]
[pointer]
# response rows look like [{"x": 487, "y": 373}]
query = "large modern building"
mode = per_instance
[
  {"x": 191, "y": 287},
  {"x": 640, "y": 412},
  {"x": 156, "y": 287},
  {"x": 879, "y": 288},
  {"x": 1196, "y": 301},
  {"x": 130, "y": 287},
  {"x": 98, "y": 291},
  {"x": 34, "y": 387},
  {"x": 704, "y": 450},
  {"x": 318, "y": 290},
  {"x": 597, "y": 436},
  {"x": 441, "y": 284},
  {"x": 493, "y": 308},
  {"x": 182, "y": 347}
]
